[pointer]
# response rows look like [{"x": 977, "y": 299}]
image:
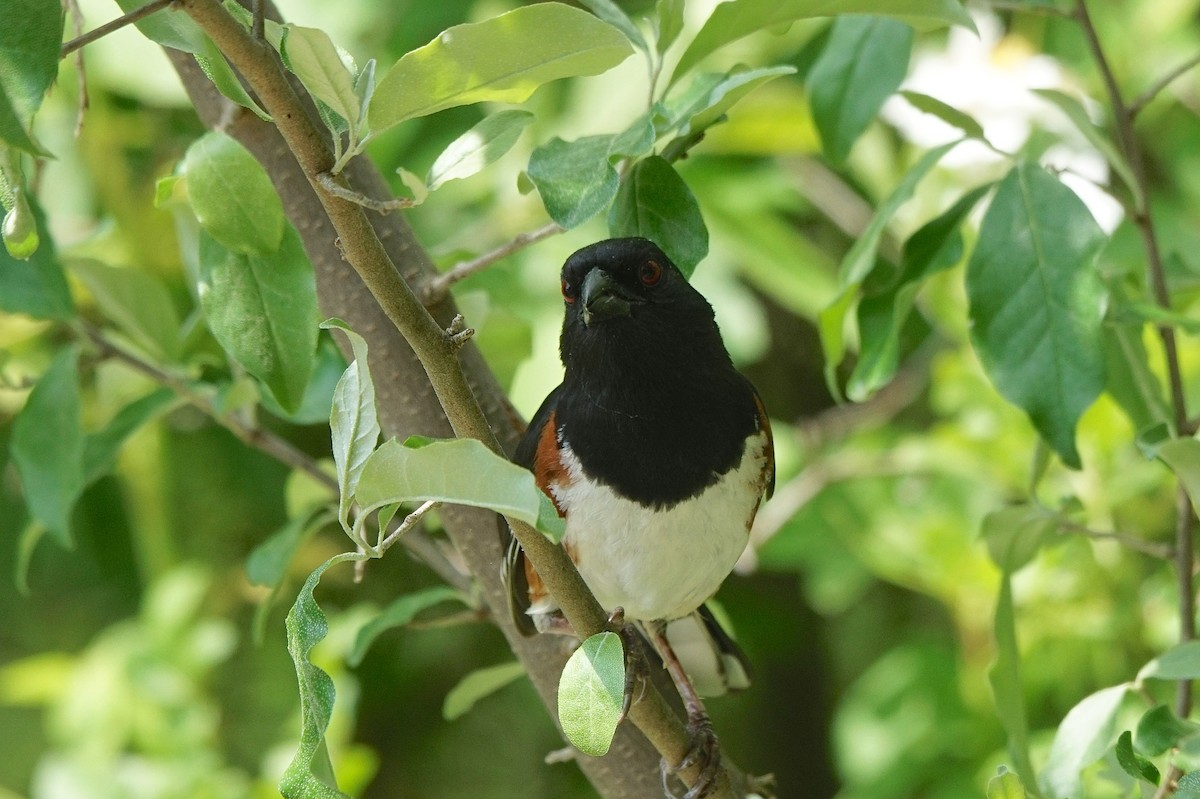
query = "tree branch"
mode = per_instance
[
  {"x": 120, "y": 22},
  {"x": 1145, "y": 98},
  {"x": 364, "y": 250},
  {"x": 1156, "y": 276},
  {"x": 437, "y": 287}
]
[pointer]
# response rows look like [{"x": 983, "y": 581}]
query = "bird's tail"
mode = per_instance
[{"x": 712, "y": 659}]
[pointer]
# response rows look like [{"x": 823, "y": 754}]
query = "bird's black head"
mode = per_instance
[{"x": 626, "y": 303}]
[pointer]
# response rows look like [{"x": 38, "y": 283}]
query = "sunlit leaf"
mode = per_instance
[
  {"x": 309, "y": 775},
  {"x": 1181, "y": 662},
  {"x": 732, "y": 20},
  {"x": 1005, "y": 785},
  {"x": 862, "y": 64},
  {"x": 710, "y": 95},
  {"x": 232, "y": 196},
  {"x": 263, "y": 312},
  {"x": 136, "y": 301},
  {"x": 1014, "y": 535},
  {"x": 314, "y": 59},
  {"x": 503, "y": 59},
  {"x": 48, "y": 444},
  {"x": 653, "y": 202},
  {"x": 399, "y": 613},
  {"x": 611, "y": 13},
  {"x": 483, "y": 144},
  {"x": 461, "y": 471},
  {"x": 591, "y": 691},
  {"x": 1082, "y": 737},
  {"x": 477, "y": 685},
  {"x": 1037, "y": 303},
  {"x": 354, "y": 422}
]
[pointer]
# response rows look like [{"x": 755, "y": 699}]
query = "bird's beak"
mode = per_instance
[{"x": 602, "y": 298}]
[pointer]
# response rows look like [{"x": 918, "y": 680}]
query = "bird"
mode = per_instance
[{"x": 656, "y": 452}]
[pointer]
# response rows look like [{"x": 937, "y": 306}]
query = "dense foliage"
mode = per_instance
[{"x": 957, "y": 253}]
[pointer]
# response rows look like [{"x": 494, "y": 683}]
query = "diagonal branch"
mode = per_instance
[
  {"x": 137, "y": 14},
  {"x": 434, "y": 349}
]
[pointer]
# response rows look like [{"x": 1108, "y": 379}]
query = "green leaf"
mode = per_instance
[
  {"x": 1005, "y": 785},
  {"x": 313, "y": 58},
  {"x": 1074, "y": 111},
  {"x": 668, "y": 22},
  {"x": 503, "y": 59},
  {"x": 1004, "y": 676},
  {"x": 402, "y": 611},
  {"x": 309, "y": 775},
  {"x": 100, "y": 448},
  {"x": 35, "y": 286},
  {"x": 1037, "y": 303},
  {"x": 1181, "y": 662},
  {"x": 267, "y": 563},
  {"x": 483, "y": 144},
  {"x": 653, "y": 202},
  {"x": 861, "y": 65},
  {"x": 263, "y": 310},
  {"x": 881, "y": 319},
  {"x": 169, "y": 27},
  {"x": 936, "y": 245},
  {"x": 611, "y": 13},
  {"x": 461, "y": 471},
  {"x": 1132, "y": 763},
  {"x": 30, "y": 35},
  {"x": 212, "y": 62},
  {"x": 1081, "y": 740},
  {"x": 576, "y": 179},
  {"x": 1182, "y": 455},
  {"x": 711, "y": 94},
  {"x": 1159, "y": 730},
  {"x": 477, "y": 685},
  {"x": 1128, "y": 377},
  {"x": 48, "y": 445},
  {"x": 1188, "y": 786},
  {"x": 947, "y": 113},
  {"x": 353, "y": 421},
  {"x": 1014, "y": 535},
  {"x": 136, "y": 301},
  {"x": 232, "y": 196},
  {"x": 12, "y": 131},
  {"x": 591, "y": 691},
  {"x": 733, "y": 20}
]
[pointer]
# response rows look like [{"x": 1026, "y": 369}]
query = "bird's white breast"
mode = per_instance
[{"x": 659, "y": 564}]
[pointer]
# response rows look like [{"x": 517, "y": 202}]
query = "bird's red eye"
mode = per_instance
[
  {"x": 650, "y": 273},
  {"x": 568, "y": 295}
]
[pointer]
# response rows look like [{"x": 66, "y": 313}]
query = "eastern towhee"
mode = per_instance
[{"x": 657, "y": 452}]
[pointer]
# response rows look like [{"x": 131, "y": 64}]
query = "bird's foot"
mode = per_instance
[
  {"x": 703, "y": 752},
  {"x": 637, "y": 672}
]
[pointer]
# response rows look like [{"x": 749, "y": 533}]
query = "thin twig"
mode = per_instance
[
  {"x": 1143, "y": 219},
  {"x": 410, "y": 521},
  {"x": 1146, "y": 97},
  {"x": 436, "y": 288},
  {"x": 80, "y": 69},
  {"x": 330, "y": 184},
  {"x": 1160, "y": 551},
  {"x": 1028, "y": 8},
  {"x": 120, "y": 22}
]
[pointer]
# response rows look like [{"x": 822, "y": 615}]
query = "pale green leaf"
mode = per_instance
[
  {"x": 477, "y": 685},
  {"x": 460, "y": 471},
  {"x": 733, "y": 20},
  {"x": 169, "y": 27},
  {"x": 232, "y": 196},
  {"x": 862, "y": 64},
  {"x": 1037, "y": 303},
  {"x": 262, "y": 310},
  {"x": 212, "y": 62},
  {"x": 1004, "y": 676},
  {"x": 669, "y": 23},
  {"x": 591, "y": 691},
  {"x": 710, "y": 95},
  {"x": 267, "y": 563},
  {"x": 354, "y": 422},
  {"x": 1082, "y": 737},
  {"x": 314, "y": 59},
  {"x": 136, "y": 301},
  {"x": 47, "y": 446},
  {"x": 1005, "y": 785},
  {"x": 399, "y": 613},
  {"x": 503, "y": 59},
  {"x": 1182, "y": 455},
  {"x": 1181, "y": 662},
  {"x": 654, "y": 203},
  {"x": 611, "y": 13},
  {"x": 1014, "y": 535},
  {"x": 480, "y": 146},
  {"x": 1074, "y": 111},
  {"x": 309, "y": 775}
]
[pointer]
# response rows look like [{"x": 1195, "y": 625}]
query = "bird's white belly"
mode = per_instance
[{"x": 659, "y": 564}]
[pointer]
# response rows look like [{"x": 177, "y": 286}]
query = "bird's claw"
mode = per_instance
[
  {"x": 703, "y": 752},
  {"x": 636, "y": 670}
]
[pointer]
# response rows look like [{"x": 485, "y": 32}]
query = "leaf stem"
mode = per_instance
[
  {"x": 436, "y": 288},
  {"x": 136, "y": 15},
  {"x": 1144, "y": 221},
  {"x": 1145, "y": 98}
]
